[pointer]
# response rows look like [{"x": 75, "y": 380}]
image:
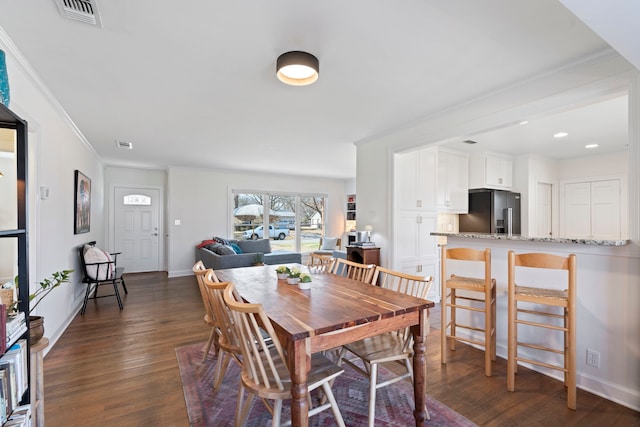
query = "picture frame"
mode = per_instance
[{"x": 82, "y": 203}]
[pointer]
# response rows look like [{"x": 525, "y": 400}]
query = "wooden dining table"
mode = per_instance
[{"x": 335, "y": 311}]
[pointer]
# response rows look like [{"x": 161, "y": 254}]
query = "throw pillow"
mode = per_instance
[
  {"x": 329, "y": 243},
  {"x": 235, "y": 248},
  {"x": 205, "y": 243},
  {"x": 221, "y": 240},
  {"x": 212, "y": 247},
  {"x": 102, "y": 268},
  {"x": 224, "y": 250}
]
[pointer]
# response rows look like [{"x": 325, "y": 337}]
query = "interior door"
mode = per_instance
[
  {"x": 137, "y": 211},
  {"x": 577, "y": 210},
  {"x": 605, "y": 209}
]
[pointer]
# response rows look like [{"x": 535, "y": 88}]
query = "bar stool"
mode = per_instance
[
  {"x": 566, "y": 299},
  {"x": 451, "y": 302}
]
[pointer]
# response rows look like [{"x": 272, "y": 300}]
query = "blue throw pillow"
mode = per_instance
[{"x": 235, "y": 248}]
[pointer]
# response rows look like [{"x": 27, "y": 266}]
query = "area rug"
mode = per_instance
[{"x": 394, "y": 404}]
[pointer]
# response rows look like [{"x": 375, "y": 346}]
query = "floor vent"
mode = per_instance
[
  {"x": 80, "y": 10},
  {"x": 124, "y": 145}
]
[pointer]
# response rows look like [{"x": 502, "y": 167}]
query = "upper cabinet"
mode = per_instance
[
  {"x": 415, "y": 179},
  {"x": 453, "y": 181},
  {"x": 491, "y": 171}
]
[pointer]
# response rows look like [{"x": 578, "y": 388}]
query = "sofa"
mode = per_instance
[{"x": 220, "y": 254}]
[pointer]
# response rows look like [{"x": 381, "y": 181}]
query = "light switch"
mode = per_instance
[{"x": 177, "y": 222}]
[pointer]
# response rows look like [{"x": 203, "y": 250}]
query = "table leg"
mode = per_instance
[
  {"x": 420, "y": 332},
  {"x": 299, "y": 361}
]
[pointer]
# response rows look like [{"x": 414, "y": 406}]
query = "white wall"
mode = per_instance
[
  {"x": 610, "y": 284},
  {"x": 56, "y": 149},
  {"x": 201, "y": 199}
]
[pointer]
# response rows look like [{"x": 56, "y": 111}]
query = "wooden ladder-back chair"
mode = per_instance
[
  {"x": 100, "y": 268},
  {"x": 531, "y": 314},
  {"x": 328, "y": 245},
  {"x": 396, "y": 346},
  {"x": 352, "y": 270},
  {"x": 485, "y": 302},
  {"x": 209, "y": 317},
  {"x": 264, "y": 371},
  {"x": 228, "y": 342}
]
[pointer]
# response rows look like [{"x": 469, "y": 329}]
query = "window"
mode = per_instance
[
  {"x": 137, "y": 199},
  {"x": 296, "y": 220}
]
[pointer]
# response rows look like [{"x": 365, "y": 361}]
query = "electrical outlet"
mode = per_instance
[{"x": 593, "y": 358}]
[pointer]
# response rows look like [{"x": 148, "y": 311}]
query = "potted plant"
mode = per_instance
[
  {"x": 294, "y": 276},
  {"x": 258, "y": 259},
  {"x": 305, "y": 281},
  {"x": 36, "y": 323},
  {"x": 282, "y": 272}
]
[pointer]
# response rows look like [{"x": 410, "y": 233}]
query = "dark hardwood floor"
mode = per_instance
[{"x": 119, "y": 368}]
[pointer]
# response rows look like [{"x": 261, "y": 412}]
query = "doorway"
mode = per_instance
[{"x": 137, "y": 228}]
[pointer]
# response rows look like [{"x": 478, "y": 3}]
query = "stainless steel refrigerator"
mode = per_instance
[{"x": 492, "y": 211}]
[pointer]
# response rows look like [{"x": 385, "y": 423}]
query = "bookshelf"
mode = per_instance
[{"x": 13, "y": 241}]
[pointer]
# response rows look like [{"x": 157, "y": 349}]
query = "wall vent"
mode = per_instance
[
  {"x": 80, "y": 10},
  {"x": 469, "y": 141},
  {"x": 124, "y": 145}
]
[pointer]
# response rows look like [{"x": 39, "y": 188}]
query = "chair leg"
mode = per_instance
[
  {"x": 452, "y": 341},
  {"x": 334, "y": 405},
  {"x": 212, "y": 337},
  {"x": 571, "y": 356},
  {"x": 443, "y": 325},
  {"x": 223, "y": 364},
  {"x": 493, "y": 324},
  {"x": 86, "y": 298},
  {"x": 277, "y": 411},
  {"x": 242, "y": 409},
  {"x": 117, "y": 292},
  {"x": 511, "y": 343},
  {"x": 373, "y": 380},
  {"x": 488, "y": 334},
  {"x": 124, "y": 286}
]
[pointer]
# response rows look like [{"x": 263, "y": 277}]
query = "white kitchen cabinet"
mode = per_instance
[
  {"x": 414, "y": 180},
  {"x": 414, "y": 250},
  {"x": 453, "y": 181},
  {"x": 591, "y": 209},
  {"x": 491, "y": 171}
]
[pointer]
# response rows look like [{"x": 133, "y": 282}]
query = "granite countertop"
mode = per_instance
[{"x": 620, "y": 242}]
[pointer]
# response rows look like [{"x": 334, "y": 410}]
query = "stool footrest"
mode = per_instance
[
  {"x": 466, "y": 307},
  {"x": 543, "y": 325},
  {"x": 546, "y": 365},
  {"x": 469, "y": 340},
  {"x": 540, "y": 347},
  {"x": 541, "y": 313}
]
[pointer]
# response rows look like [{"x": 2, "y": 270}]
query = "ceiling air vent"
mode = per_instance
[
  {"x": 469, "y": 141},
  {"x": 124, "y": 145},
  {"x": 80, "y": 10}
]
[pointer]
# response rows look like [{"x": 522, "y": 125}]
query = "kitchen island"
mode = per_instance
[{"x": 608, "y": 314}]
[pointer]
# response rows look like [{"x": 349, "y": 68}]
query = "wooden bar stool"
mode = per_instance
[
  {"x": 451, "y": 302},
  {"x": 531, "y": 316}
]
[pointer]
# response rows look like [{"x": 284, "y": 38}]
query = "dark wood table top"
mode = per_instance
[{"x": 332, "y": 303}]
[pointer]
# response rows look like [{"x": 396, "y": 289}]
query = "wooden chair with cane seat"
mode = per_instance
[
  {"x": 525, "y": 310},
  {"x": 352, "y": 270},
  {"x": 228, "y": 342},
  {"x": 395, "y": 346},
  {"x": 209, "y": 317},
  {"x": 264, "y": 370},
  {"x": 484, "y": 302}
]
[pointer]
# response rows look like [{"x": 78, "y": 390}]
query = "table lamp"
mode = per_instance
[{"x": 368, "y": 228}]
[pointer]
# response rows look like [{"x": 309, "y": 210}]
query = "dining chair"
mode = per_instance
[
  {"x": 319, "y": 262},
  {"x": 228, "y": 341},
  {"x": 352, "y": 270},
  {"x": 209, "y": 317},
  {"x": 395, "y": 346},
  {"x": 473, "y": 294},
  {"x": 525, "y": 308},
  {"x": 264, "y": 370}
]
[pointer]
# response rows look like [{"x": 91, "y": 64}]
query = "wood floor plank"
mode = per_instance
[{"x": 114, "y": 367}]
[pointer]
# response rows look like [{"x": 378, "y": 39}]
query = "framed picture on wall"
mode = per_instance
[{"x": 82, "y": 208}]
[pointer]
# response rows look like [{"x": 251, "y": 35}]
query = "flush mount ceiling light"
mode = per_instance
[
  {"x": 591, "y": 146},
  {"x": 297, "y": 68},
  {"x": 560, "y": 135}
]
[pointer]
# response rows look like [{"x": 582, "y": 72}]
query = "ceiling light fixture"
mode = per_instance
[
  {"x": 560, "y": 135},
  {"x": 524, "y": 122},
  {"x": 590, "y": 146},
  {"x": 297, "y": 68}
]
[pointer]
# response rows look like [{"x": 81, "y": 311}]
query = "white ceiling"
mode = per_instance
[{"x": 193, "y": 84}]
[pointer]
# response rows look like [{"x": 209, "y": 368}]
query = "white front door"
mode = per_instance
[{"x": 137, "y": 211}]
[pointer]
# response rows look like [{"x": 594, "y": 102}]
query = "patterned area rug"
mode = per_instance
[{"x": 394, "y": 404}]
